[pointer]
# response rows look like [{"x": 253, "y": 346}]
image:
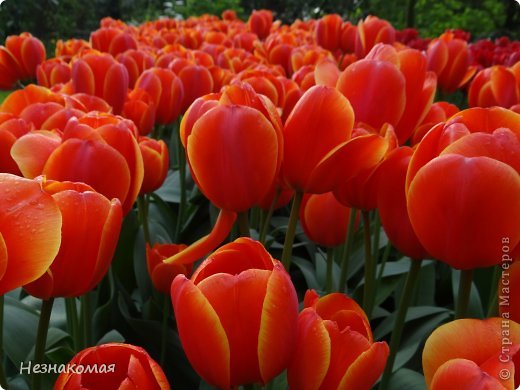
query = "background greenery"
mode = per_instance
[{"x": 50, "y": 20}]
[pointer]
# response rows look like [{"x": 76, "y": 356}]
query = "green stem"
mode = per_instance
[
  {"x": 386, "y": 255},
  {"x": 291, "y": 230},
  {"x": 181, "y": 159},
  {"x": 164, "y": 333},
  {"x": 41, "y": 340},
  {"x": 72, "y": 320},
  {"x": 267, "y": 220},
  {"x": 493, "y": 293},
  {"x": 368, "y": 292},
  {"x": 86, "y": 319},
  {"x": 243, "y": 224},
  {"x": 377, "y": 230},
  {"x": 402, "y": 309},
  {"x": 466, "y": 279},
  {"x": 3, "y": 378},
  {"x": 330, "y": 265},
  {"x": 142, "y": 211},
  {"x": 345, "y": 258}
]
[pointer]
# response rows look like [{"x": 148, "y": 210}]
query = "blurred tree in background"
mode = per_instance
[{"x": 50, "y": 20}]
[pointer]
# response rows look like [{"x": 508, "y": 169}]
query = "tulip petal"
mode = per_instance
[
  {"x": 279, "y": 318},
  {"x": 366, "y": 369},
  {"x": 32, "y": 151},
  {"x": 3, "y": 257},
  {"x": 201, "y": 332},
  {"x": 463, "y": 374}
]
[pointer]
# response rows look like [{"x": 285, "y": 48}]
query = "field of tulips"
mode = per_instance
[{"x": 216, "y": 203}]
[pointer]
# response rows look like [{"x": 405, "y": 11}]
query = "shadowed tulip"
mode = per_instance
[
  {"x": 439, "y": 112},
  {"x": 452, "y": 359},
  {"x": 334, "y": 346},
  {"x": 156, "y": 160},
  {"x": 30, "y": 231},
  {"x": 89, "y": 234},
  {"x": 463, "y": 187},
  {"x": 240, "y": 283},
  {"x": 127, "y": 366}
]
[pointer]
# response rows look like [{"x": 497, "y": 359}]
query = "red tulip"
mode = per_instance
[
  {"x": 238, "y": 284},
  {"x": 71, "y": 47},
  {"x": 439, "y": 112},
  {"x": 125, "y": 367},
  {"x": 161, "y": 273},
  {"x": 260, "y": 22},
  {"x": 328, "y": 31},
  {"x": 371, "y": 31},
  {"x": 334, "y": 346},
  {"x": 30, "y": 231},
  {"x": 461, "y": 217},
  {"x": 28, "y": 52},
  {"x": 156, "y": 160},
  {"x": 112, "y": 40},
  {"x": 90, "y": 230},
  {"x": 140, "y": 108},
  {"x": 18, "y": 100},
  {"x": 324, "y": 219},
  {"x": 452, "y": 358},
  {"x": 11, "y": 128},
  {"x": 197, "y": 82},
  {"x": 52, "y": 72},
  {"x": 495, "y": 86},
  {"x": 135, "y": 62}
]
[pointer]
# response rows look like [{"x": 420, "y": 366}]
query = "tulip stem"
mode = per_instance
[
  {"x": 181, "y": 159},
  {"x": 330, "y": 266},
  {"x": 3, "y": 378},
  {"x": 493, "y": 293},
  {"x": 402, "y": 309},
  {"x": 142, "y": 211},
  {"x": 466, "y": 280},
  {"x": 267, "y": 220},
  {"x": 164, "y": 334},
  {"x": 377, "y": 230},
  {"x": 368, "y": 292},
  {"x": 72, "y": 319},
  {"x": 243, "y": 224},
  {"x": 345, "y": 258},
  {"x": 86, "y": 319},
  {"x": 291, "y": 230},
  {"x": 41, "y": 340}
]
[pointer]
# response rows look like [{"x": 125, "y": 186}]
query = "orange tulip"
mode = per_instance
[
  {"x": 312, "y": 156},
  {"x": 166, "y": 90},
  {"x": 328, "y": 31},
  {"x": 9, "y": 72},
  {"x": 135, "y": 62},
  {"x": 495, "y": 86},
  {"x": 101, "y": 75},
  {"x": 461, "y": 217},
  {"x": 90, "y": 230},
  {"x": 140, "y": 108},
  {"x": 53, "y": 71},
  {"x": 112, "y": 40},
  {"x": 30, "y": 231},
  {"x": 133, "y": 368},
  {"x": 439, "y": 112},
  {"x": 324, "y": 219},
  {"x": 18, "y": 100},
  {"x": 260, "y": 22},
  {"x": 197, "y": 82},
  {"x": 156, "y": 160},
  {"x": 89, "y": 145},
  {"x": 452, "y": 359},
  {"x": 371, "y": 31},
  {"x": 334, "y": 346},
  {"x": 11, "y": 128},
  {"x": 28, "y": 52},
  {"x": 70, "y": 48},
  {"x": 448, "y": 57},
  {"x": 161, "y": 273},
  {"x": 239, "y": 283}
]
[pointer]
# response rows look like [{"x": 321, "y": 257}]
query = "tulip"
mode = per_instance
[
  {"x": 439, "y": 112},
  {"x": 260, "y": 22},
  {"x": 448, "y": 57},
  {"x": 156, "y": 160},
  {"x": 18, "y": 100},
  {"x": 11, "y": 128},
  {"x": 371, "y": 31},
  {"x": 452, "y": 359},
  {"x": 328, "y": 31},
  {"x": 460, "y": 218},
  {"x": 161, "y": 273},
  {"x": 126, "y": 366},
  {"x": 141, "y": 109},
  {"x": 112, "y": 40},
  {"x": 53, "y": 71},
  {"x": 135, "y": 62},
  {"x": 28, "y": 52},
  {"x": 238, "y": 284},
  {"x": 9, "y": 69},
  {"x": 334, "y": 346},
  {"x": 197, "y": 82},
  {"x": 495, "y": 86},
  {"x": 90, "y": 230},
  {"x": 101, "y": 75},
  {"x": 70, "y": 48},
  {"x": 30, "y": 231}
]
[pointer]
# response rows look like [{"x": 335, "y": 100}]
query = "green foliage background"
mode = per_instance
[{"x": 54, "y": 19}]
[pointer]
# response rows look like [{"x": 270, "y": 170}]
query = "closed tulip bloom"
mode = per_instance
[
  {"x": 196, "y": 81},
  {"x": 156, "y": 160},
  {"x": 240, "y": 284},
  {"x": 260, "y": 22},
  {"x": 334, "y": 346},
  {"x": 140, "y": 108},
  {"x": 463, "y": 187},
  {"x": 30, "y": 231},
  {"x": 53, "y": 71},
  {"x": 11, "y": 128},
  {"x": 439, "y": 112},
  {"x": 18, "y": 100},
  {"x": 112, "y": 40},
  {"x": 324, "y": 219},
  {"x": 90, "y": 230},
  {"x": 28, "y": 52},
  {"x": 328, "y": 31},
  {"x": 136, "y": 62},
  {"x": 315, "y": 135},
  {"x": 495, "y": 86},
  {"x": 132, "y": 368},
  {"x": 161, "y": 273},
  {"x": 71, "y": 47},
  {"x": 453, "y": 360},
  {"x": 371, "y": 31}
]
